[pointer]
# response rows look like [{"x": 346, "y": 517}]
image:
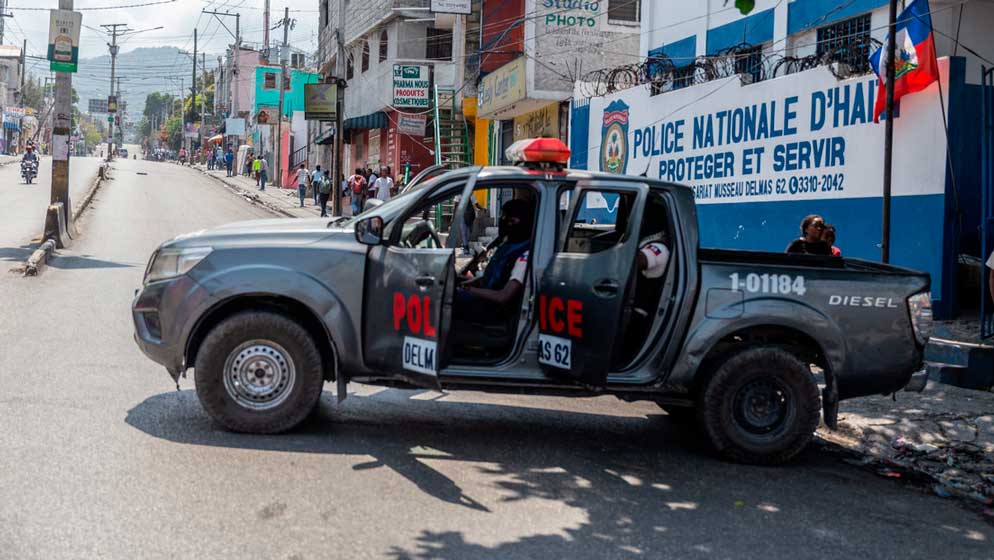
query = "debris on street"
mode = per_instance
[{"x": 942, "y": 438}]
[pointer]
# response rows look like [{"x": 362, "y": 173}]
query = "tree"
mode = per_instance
[
  {"x": 744, "y": 6},
  {"x": 33, "y": 96}
]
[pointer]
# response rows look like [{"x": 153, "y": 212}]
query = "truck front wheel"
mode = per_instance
[
  {"x": 761, "y": 406},
  {"x": 258, "y": 372}
]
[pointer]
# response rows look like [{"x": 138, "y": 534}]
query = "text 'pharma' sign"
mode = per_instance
[
  {"x": 801, "y": 137},
  {"x": 410, "y": 86}
]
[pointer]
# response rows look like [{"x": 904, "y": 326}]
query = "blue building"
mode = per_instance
[{"x": 769, "y": 117}]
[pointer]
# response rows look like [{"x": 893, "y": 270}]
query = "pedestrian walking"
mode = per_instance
[
  {"x": 210, "y": 161},
  {"x": 247, "y": 168},
  {"x": 255, "y": 170},
  {"x": 323, "y": 185},
  {"x": 218, "y": 156},
  {"x": 262, "y": 166},
  {"x": 303, "y": 181},
  {"x": 810, "y": 242},
  {"x": 357, "y": 188},
  {"x": 829, "y": 237},
  {"x": 314, "y": 184},
  {"x": 383, "y": 187},
  {"x": 229, "y": 160}
]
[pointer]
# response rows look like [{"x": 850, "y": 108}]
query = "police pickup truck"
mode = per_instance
[{"x": 561, "y": 299}]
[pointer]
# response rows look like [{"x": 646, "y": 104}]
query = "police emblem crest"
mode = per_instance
[{"x": 614, "y": 138}]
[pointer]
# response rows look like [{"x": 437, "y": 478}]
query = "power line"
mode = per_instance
[{"x": 94, "y": 8}]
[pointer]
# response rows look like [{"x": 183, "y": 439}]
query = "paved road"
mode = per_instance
[
  {"x": 103, "y": 457},
  {"x": 22, "y": 207}
]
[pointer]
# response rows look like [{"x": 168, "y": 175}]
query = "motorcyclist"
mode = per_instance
[{"x": 29, "y": 153}]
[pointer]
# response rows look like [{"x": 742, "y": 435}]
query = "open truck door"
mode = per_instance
[
  {"x": 584, "y": 291},
  {"x": 409, "y": 286}
]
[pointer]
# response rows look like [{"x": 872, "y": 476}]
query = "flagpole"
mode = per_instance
[{"x": 888, "y": 133}]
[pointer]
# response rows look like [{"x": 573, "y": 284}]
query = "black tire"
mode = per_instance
[
  {"x": 293, "y": 350},
  {"x": 761, "y": 406}
]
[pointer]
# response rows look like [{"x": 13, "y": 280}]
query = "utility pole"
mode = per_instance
[
  {"x": 193, "y": 100},
  {"x": 231, "y": 81},
  {"x": 888, "y": 134},
  {"x": 112, "y": 29},
  {"x": 203, "y": 94},
  {"x": 3, "y": 16},
  {"x": 24, "y": 53},
  {"x": 265, "y": 29},
  {"x": 339, "y": 108},
  {"x": 60, "y": 133},
  {"x": 278, "y": 178}
]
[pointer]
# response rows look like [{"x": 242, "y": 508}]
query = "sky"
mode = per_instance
[{"x": 178, "y": 19}]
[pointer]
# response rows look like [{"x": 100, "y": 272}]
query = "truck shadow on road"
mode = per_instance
[{"x": 624, "y": 486}]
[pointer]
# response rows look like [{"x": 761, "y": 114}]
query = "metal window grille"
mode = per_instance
[
  {"x": 847, "y": 41},
  {"x": 384, "y": 45},
  {"x": 439, "y": 45},
  {"x": 625, "y": 11},
  {"x": 684, "y": 77},
  {"x": 269, "y": 80},
  {"x": 750, "y": 61}
]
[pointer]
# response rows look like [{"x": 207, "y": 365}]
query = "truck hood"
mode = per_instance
[{"x": 280, "y": 231}]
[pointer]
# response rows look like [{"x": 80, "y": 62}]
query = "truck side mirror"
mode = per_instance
[{"x": 369, "y": 231}]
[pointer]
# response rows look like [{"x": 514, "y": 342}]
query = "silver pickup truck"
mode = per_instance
[{"x": 267, "y": 311}]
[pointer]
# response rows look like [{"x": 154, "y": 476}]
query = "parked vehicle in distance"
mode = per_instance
[{"x": 267, "y": 311}]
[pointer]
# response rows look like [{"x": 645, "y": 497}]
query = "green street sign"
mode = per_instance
[
  {"x": 62, "y": 66},
  {"x": 110, "y": 118}
]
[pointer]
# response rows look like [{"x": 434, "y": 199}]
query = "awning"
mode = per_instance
[
  {"x": 373, "y": 120},
  {"x": 11, "y": 125},
  {"x": 216, "y": 139}
]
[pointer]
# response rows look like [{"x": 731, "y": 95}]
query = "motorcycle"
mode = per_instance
[{"x": 29, "y": 170}]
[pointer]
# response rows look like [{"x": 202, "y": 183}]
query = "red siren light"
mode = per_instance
[{"x": 538, "y": 150}]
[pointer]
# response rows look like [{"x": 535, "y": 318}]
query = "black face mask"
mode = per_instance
[{"x": 513, "y": 232}]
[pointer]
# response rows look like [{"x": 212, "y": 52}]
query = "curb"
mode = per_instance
[
  {"x": 247, "y": 195},
  {"x": 38, "y": 260}
]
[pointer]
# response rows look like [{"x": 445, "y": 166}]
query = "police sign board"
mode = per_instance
[
  {"x": 410, "y": 86},
  {"x": 760, "y": 157},
  {"x": 63, "y": 40}
]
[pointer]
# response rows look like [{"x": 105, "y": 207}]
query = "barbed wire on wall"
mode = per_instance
[{"x": 744, "y": 60}]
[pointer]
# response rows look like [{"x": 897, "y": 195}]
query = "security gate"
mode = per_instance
[{"x": 986, "y": 196}]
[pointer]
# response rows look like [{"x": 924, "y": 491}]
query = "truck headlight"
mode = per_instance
[
  {"x": 170, "y": 263},
  {"x": 920, "y": 308}
]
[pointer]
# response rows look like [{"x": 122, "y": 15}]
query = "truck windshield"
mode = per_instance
[{"x": 389, "y": 209}]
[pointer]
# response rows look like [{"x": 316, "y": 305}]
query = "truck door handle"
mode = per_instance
[
  {"x": 425, "y": 281},
  {"x": 606, "y": 288}
]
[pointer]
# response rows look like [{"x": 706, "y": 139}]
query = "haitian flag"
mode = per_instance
[{"x": 914, "y": 47}]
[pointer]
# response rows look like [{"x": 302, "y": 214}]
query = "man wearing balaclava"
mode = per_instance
[{"x": 504, "y": 277}]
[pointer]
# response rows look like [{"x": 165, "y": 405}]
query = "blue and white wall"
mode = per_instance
[
  {"x": 760, "y": 157},
  {"x": 683, "y": 30}
]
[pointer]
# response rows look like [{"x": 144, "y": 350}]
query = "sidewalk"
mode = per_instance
[
  {"x": 943, "y": 436},
  {"x": 282, "y": 201}
]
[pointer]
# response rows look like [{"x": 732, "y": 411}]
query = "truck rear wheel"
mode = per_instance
[
  {"x": 258, "y": 372},
  {"x": 761, "y": 406}
]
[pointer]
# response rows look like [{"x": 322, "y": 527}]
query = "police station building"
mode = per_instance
[{"x": 769, "y": 118}]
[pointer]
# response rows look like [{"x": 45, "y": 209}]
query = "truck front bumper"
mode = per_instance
[{"x": 163, "y": 314}]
